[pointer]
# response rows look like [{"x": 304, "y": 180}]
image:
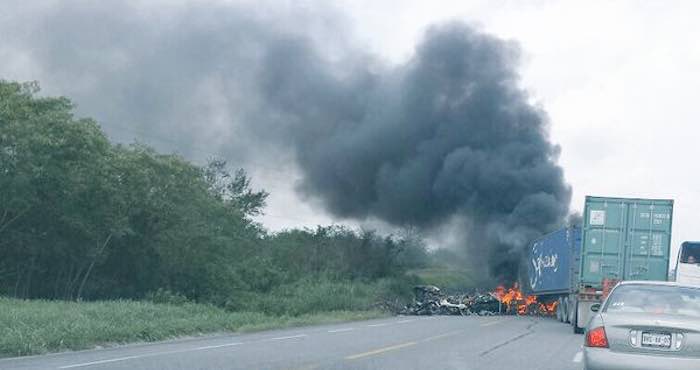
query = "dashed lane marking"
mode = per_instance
[
  {"x": 405, "y": 321},
  {"x": 341, "y": 330},
  {"x": 111, "y": 360},
  {"x": 578, "y": 357},
  {"x": 402, "y": 345},
  {"x": 428, "y": 339},
  {"x": 290, "y": 337},
  {"x": 145, "y": 355},
  {"x": 376, "y": 325},
  {"x": 380, "y": 350},
  {"x": 218, "y": 346}
]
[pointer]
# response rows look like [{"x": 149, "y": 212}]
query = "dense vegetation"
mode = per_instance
[{"x": 82, "y": 218}]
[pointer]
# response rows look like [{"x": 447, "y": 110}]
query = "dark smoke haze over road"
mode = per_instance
[{"x": 446, "y": 137}]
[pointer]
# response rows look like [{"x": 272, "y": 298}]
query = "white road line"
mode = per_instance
[
  {"x": 341, "y": 330},
  {"x": 376, "y": 325},
  {"x": 405, "y": 321},
  {"x": 117, "y": 359},
  {"x": 109, "y": 360},
  {"x": 290, "y": 337},
  {"x": 578, "y": 357},
  {"x": 219, "y": 346}
]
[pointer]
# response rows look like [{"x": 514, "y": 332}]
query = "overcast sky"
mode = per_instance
[{"x": 617, "y": 79}]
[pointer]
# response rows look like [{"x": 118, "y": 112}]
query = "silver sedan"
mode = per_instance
[{"x": 645, "y": 325}]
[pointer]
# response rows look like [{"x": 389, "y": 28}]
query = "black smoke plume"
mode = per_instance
[
  {"x": 448, "y": 134},
  {"x": 447, "y": 137}
]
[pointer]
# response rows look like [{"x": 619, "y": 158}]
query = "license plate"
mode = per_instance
[{"x": 656, "y": 340}]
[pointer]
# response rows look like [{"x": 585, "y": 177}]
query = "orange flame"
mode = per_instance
[
  {"x": 522, "y": 305},
  {"x": 549, "y": 308}
]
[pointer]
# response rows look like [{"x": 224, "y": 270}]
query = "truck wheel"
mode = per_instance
[
  {"x": 574, "y": 321},
  {"x": 560, "y": 310},
  {"x": 565, "y": 311}
]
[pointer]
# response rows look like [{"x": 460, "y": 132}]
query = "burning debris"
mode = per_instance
[
  {"x": 430, "y": 300},
  {"x": 516, "y": 303}
]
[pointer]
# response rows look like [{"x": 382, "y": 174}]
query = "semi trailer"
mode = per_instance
[{"x": 619, "y": 239}]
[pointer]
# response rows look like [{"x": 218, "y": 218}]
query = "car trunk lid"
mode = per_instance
[{"x": 653, "y": 333}]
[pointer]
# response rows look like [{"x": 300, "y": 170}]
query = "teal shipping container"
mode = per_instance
[{"x": 625, "y": 239}]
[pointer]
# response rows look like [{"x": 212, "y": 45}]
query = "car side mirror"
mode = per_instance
[{"x": 595, "y": 307}]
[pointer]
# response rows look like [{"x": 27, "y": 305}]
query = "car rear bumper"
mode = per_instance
[{"x": 603, "y": 358}]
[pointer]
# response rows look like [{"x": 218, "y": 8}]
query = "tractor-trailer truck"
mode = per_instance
[{"x": 620, "y": 239}]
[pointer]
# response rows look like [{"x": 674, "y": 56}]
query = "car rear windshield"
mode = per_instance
[{"x": 654, "y": 299}]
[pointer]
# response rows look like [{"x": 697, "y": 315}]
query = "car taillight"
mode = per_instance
[{"x": 596, "y": 338}]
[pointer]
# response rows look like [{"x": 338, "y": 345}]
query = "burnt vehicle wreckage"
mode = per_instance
[{"x": 430, "y": 300}]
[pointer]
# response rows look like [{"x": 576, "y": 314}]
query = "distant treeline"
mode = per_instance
[{"x": 83, "y": 218}]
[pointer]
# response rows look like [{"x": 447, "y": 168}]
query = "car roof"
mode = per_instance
[{"x": 657, "y": 283}]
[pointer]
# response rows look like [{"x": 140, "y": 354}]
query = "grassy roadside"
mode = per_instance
[{"x": 36, "y": 326}]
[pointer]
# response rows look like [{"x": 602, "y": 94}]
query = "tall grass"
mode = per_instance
[
  {"x": 38, "y": 326},
  {"x": 322, "y": 295}
]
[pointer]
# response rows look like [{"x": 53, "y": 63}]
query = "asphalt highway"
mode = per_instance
[{"x": 442, "y": 342}]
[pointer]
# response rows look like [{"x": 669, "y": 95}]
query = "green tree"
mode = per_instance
[
  {"x": 82, "y": 218},
  {"x": 58, "y": 212}
]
